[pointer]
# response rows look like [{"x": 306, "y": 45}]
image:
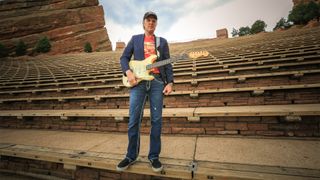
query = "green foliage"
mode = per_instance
[
  {"x": 244, "y": 31},
  {"x": 43, "y": 45},
  {"x": 282, "y": 24},
  {"x": 21, "y": 48},
  {"x": 87, "y": 47},
  {"x": 303, "y": 13},
  {"x": 258, "y": 26},
  {"x": 234, "y": 32},
  {"x": 4, "y": 52},
  {"x": 313, "y": 10}
]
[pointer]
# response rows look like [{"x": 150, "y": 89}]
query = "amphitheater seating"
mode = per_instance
[
  {"x": 261, "y": 85},
  {"x": 235, "y": 60}
]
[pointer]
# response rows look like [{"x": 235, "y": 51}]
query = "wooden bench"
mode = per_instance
[
  {"x": 234, "y": 70},
  {"x": 254, "y": 90},
  {"x": 247, "y": 63},
  {"x": 71, "y": 81},
  {"x": 88, "y": 72},
  {"x": 245, "y": 77},
  {"x": 62, "y": 78},
  {"x": 280, "y": 51},
  {"x": 292, "y": 111},
  {"x": 85, "y": 88},
  {"x": 195, "y": 81},
  {"x": 261, "y": 110},
  {"x": 116, "y": 113},
  {"x": 66, "y": 98},
  {"x": 177, "y": 74}
]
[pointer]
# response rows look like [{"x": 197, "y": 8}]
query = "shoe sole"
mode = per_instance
[
  {"x": 157, "y": 169},
  {"x": 126, "y": 167}
]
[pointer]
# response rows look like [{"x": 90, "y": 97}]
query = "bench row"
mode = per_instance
[
  {"x": 193, "y": 114},
  {"x": 195, "y": 71},
  {"x": 203, "y": 61}
]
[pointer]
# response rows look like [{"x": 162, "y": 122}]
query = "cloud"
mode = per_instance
[
  {"x": 182, "y": 20},
  {"x": 130, "y": 12}
]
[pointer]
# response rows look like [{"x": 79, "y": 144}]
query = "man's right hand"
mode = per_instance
[{"x": 131, "y": 78}]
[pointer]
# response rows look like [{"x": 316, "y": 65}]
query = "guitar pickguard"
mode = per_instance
[{"x": 140, "y": 70}]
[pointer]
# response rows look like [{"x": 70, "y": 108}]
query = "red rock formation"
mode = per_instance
[
  {"x": 296, "y": 2},
  {"x": 312, "y": 23},
  {"x": 120, "y": 46},
  {"x": 222, "y": 33},
  {"x": 68, "y": 24}
]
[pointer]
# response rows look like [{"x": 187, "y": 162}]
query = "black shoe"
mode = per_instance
[
  {"x": 156, "y": 165},
  {"x": 124, "y": 164}
]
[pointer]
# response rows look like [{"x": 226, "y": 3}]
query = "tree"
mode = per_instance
[
  {"x": 3, "y": 51},
  {"x": 313, "y": 10},
  {"x": 282, "y": 24},
  {"x": 244, "y": 31},
  {"x": 297, "y": 13},
  {"x": 21, "y": 48},
  {"x": 43, "y": 45},
  {"x": 303, "y": 13},
  {"x": 87, "y": 47},
  {"x": 258, "y": 26},
  {"x": 234, "y": 32}
]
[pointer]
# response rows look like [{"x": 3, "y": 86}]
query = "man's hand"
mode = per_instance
[
  {"x": 131, "y": 78},
  {"x": 168, "y": 89}
]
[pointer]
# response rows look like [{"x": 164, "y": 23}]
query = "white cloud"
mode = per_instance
[
  {"x": 118, "y": 32},
  {"x": 183, "y": 20}
]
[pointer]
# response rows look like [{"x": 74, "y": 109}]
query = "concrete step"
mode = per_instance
[{"x": 187, "y": 157}]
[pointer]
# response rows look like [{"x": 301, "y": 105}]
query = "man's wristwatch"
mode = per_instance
[{"x": 171, "y": 84}]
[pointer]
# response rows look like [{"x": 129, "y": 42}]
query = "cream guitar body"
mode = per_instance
[{"x": 140, "y": 70}]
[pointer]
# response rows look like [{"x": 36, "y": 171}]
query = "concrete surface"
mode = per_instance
[{"x": 300, "y": 153}]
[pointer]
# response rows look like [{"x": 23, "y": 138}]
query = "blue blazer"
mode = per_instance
[{"x": 135, "y": 47}]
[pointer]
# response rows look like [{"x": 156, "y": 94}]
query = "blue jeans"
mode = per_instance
[{"x": 138, "y": 95}]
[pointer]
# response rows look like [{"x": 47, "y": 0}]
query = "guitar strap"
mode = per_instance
[
  {"x": 157, "y": 50},
  {"x": 157, "y": 46}
]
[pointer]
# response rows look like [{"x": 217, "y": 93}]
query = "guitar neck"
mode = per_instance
[{"x": 161, "y": 63}]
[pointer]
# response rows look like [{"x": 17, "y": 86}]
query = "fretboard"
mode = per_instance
[{"x": 161, "y": 63}]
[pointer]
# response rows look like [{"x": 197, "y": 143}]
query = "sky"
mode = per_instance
[{"x": 186, "y": 20}]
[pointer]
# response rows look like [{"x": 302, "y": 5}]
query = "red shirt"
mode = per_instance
[{"x": 149, "y": 49}]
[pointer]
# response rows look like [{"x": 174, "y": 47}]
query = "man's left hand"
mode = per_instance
[{"x": 168, "y": 89}]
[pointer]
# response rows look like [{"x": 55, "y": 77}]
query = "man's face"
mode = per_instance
[{"x": 150, "y": 24}]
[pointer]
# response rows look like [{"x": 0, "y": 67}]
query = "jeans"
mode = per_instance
[{"x": 138, "y": 95}]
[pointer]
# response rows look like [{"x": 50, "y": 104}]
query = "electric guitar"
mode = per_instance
[{"x": 141, "y": 69}]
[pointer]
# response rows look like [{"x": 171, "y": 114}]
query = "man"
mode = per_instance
[{"x": 142, "y": 46}]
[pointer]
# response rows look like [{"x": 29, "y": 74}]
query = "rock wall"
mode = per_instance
[
  {"x": 68, "y": 24},
  {"x": 222, "y": 33},
  {"x": 296, "y": 2}
]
